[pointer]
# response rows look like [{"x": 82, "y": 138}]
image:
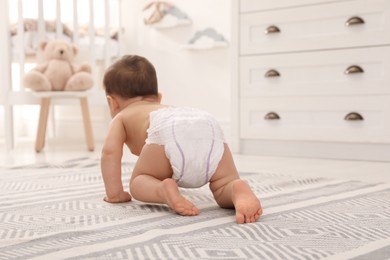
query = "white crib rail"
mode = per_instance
[
  {"x": 5, "y": 68},
  {"x": 91, "y": 34},
  {"x": 20, "y": 36},
  {"x": 107, "y": 34}
]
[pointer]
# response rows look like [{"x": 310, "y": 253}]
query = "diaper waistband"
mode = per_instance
[{"x": 165, "y": 123}]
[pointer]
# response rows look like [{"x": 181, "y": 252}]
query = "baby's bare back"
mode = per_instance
[{"x": 135, "y": 119}]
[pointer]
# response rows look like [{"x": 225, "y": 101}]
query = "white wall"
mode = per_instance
[{"x": 186, "y": 78}]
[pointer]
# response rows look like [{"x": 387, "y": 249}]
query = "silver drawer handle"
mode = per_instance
[
  {"x": 353, "y": 70},
  {"x": 353, "y": 116},
  {"x": 355, "y": 20},
  {"x": 272, "y": 74},
  {"x": 272, "y": 116},
  {"x": 272, "y": 29}
]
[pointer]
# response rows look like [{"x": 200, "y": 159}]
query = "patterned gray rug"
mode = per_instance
[{"x": 58, "y": 212}]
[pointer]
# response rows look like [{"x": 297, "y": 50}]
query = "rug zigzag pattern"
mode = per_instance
[{"x": 57, "y": 212}]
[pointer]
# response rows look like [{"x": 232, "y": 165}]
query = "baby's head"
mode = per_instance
[{"x": 131, "y": 76}]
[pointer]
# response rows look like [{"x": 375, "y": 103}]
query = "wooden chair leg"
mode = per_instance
[
  {"x": 42, "y": 124},
  {"x": 87, "y": 123}
]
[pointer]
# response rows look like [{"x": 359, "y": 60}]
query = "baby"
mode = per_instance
[{"x": 176, "y": 147}]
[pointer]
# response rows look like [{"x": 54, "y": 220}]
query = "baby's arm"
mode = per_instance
[{"x": 111, "y": 163}]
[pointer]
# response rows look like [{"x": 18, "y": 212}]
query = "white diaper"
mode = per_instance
[{"x": 193, "y": 141}]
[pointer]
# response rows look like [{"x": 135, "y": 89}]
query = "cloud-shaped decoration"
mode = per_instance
[
  {"x": 208, "y": 38},
  {"x": 164, "y": 15},
  {"x": 176, "y": 12}
]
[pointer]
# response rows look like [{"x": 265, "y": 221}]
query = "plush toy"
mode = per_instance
[{"x": 58, "y": 72}]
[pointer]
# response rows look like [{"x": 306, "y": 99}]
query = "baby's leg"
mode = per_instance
[
  {"x": 151, "y": 181},
  {"x": 231, "y": 192}
]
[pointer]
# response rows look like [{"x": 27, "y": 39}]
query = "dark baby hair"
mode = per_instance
[{"x": 131, "y": 76}]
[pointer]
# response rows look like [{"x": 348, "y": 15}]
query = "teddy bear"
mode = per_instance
[{"x": 58, "y": 72}]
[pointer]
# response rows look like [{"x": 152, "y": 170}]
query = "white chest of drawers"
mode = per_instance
[{"x": 311, "y": 78}]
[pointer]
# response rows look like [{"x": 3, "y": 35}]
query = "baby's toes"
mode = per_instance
[
  {"x": 252, "y": 219},
  {"x": 240, "y": 218},
  {"x": 195, "y": 211}
]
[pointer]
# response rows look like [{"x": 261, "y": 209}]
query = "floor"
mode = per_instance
[{"x": 24, "y": 153}]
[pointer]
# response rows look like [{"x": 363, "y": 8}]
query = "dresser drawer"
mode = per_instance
[
  {"x": 338, "y": 72},
  {"x": 316, "y": 27},
  {"x": 317, "y": 119},
  {"x": 261, "y": 5}
]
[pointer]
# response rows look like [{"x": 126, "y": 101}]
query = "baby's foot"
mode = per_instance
[
  {"x": 247, "y": 205},
  {"x": 176, "y": 201}
]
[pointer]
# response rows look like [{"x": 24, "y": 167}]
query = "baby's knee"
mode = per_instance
[{"x": 133, "y": 187}]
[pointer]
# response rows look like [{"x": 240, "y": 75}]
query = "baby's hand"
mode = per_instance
[{"x": 122, "y": 197}]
